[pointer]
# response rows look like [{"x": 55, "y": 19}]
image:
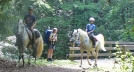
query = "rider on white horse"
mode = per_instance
[{"x": 90, "y": 30}]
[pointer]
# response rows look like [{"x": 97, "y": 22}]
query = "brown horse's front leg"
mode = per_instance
[
  {"x": 21, "y": 56},
  {"x": 23, "y": 60},
  {"x": 31, "y": 52},
  {"x": 35, "y": 57}
]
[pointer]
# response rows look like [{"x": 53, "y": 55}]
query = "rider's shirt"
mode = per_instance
[
  {"x": 90, "y": 27},
  {"x": 29, "y": 20}
]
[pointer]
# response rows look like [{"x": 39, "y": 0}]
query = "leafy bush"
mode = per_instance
[{"x": 127, "y": 61}]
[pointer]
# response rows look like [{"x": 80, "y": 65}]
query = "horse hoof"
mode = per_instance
[
  {"x": 90, "y": 64},
  {"x": 80, "y": 66},
  {"x": 29, "y": 63},
  {"x": 95, "y": 65}
]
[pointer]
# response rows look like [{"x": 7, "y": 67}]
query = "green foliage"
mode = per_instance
[{"x": 127, "y": 61}]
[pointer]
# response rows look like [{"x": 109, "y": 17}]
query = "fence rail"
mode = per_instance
[{"x": 110, "y": 47}]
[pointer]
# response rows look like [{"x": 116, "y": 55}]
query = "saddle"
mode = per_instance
[
  {"x": 31, "y": 37},
  {"x": 37, "y": 33}
]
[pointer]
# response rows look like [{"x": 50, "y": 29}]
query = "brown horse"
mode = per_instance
[{"x": 24, "y": 40}]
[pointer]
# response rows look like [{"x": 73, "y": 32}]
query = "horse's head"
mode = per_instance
[
  {"x": 75, "y": 36},
  {"x": 20, "y": 27}
]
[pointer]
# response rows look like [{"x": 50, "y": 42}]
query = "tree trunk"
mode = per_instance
[
  {"x": 96, "y": 1},
  {"x": 109, "y": 2}
]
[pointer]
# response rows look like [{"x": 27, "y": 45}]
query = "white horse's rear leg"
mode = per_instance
[
  {"x": 81, "y": 57},
  {"x": 95, "y": 56}
]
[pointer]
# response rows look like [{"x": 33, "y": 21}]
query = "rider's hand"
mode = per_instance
[
  {"x": 88, "y": 33},
  {"x": 31, "y": 28}
]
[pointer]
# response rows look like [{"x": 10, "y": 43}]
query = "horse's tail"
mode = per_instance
[
  {"x": 101, "y": 39},
  {"x": 40, "y": 45}
]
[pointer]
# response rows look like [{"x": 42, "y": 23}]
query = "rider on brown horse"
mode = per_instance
[{"x": 30, "y": 22}]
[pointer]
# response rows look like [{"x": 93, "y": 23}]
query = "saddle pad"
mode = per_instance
[
  {"x": 37, "y": 34},
  {"x": 95, "y": 39}
]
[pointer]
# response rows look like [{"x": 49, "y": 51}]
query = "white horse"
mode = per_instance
[
  {"x": 24, "y": 42},
  {"x": 86, "y": 44}
]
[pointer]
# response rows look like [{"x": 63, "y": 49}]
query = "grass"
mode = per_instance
[
  {"x": 41, "y": 62},
  {"x": 56, "y": 62}
]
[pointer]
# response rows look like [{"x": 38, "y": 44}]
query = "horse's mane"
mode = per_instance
[{"x": 82, "y": 31}]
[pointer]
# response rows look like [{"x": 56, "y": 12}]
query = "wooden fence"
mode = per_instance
[{"x": 110, "y": 47}]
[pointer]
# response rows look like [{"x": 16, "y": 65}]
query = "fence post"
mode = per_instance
[
  {"x": 72, "y": 51},
  {"x": 110, "y": 51},
  {"x": 123, "y": 51}
]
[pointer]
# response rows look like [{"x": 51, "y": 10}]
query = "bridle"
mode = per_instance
[
  {"x": 79, "y": 39},
  {"x": 20, "y": 33}
]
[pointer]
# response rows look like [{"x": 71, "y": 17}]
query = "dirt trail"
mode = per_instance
[
  {"x": 8, "y": 66},
  {"x": 104, "y": 65}
]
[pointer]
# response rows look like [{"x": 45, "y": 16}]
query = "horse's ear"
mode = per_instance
[
  {"x": 20, "y": 20},
  {"x": 77, "y": 30}
]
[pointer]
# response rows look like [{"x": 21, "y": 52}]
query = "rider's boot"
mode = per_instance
[{"x": 93, "y": 41}]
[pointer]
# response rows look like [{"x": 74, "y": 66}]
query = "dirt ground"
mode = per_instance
[
  {"x": 8, "y": 66},
  {"x": 104, "y": 65}
]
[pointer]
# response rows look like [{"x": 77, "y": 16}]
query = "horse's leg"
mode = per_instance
[
  {"x": 81, "y": 57},
  {"x": 21, "y": 51},
  {"x": 95, "y": 56},
  {"x": 35, "y": 57},
  {"x": 31, "y": 52},
  {"x": 35, "y": 60},
  {"x": 20, "y": 54},
  {"x": 19, "y": 58},
  {"x": 23, "y": 59},
  {"x": 88, "y": 54}
]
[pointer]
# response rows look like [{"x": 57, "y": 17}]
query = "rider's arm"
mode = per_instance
[
  {"x": 86, "y": 30},
  {"x": 86, "y": 27},
  {"x": 91, "y": 31},
  {"x": 34, "y": 23}
]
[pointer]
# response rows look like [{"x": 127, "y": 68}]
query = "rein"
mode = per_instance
[{"x": 84, "y": 40}]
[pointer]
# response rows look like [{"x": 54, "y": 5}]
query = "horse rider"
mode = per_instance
[
  {"x": 30, "y": 22},
  {"x": 90, "y": 28}
]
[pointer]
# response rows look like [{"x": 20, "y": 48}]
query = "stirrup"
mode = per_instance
[{"x": 94, "y": 46}]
